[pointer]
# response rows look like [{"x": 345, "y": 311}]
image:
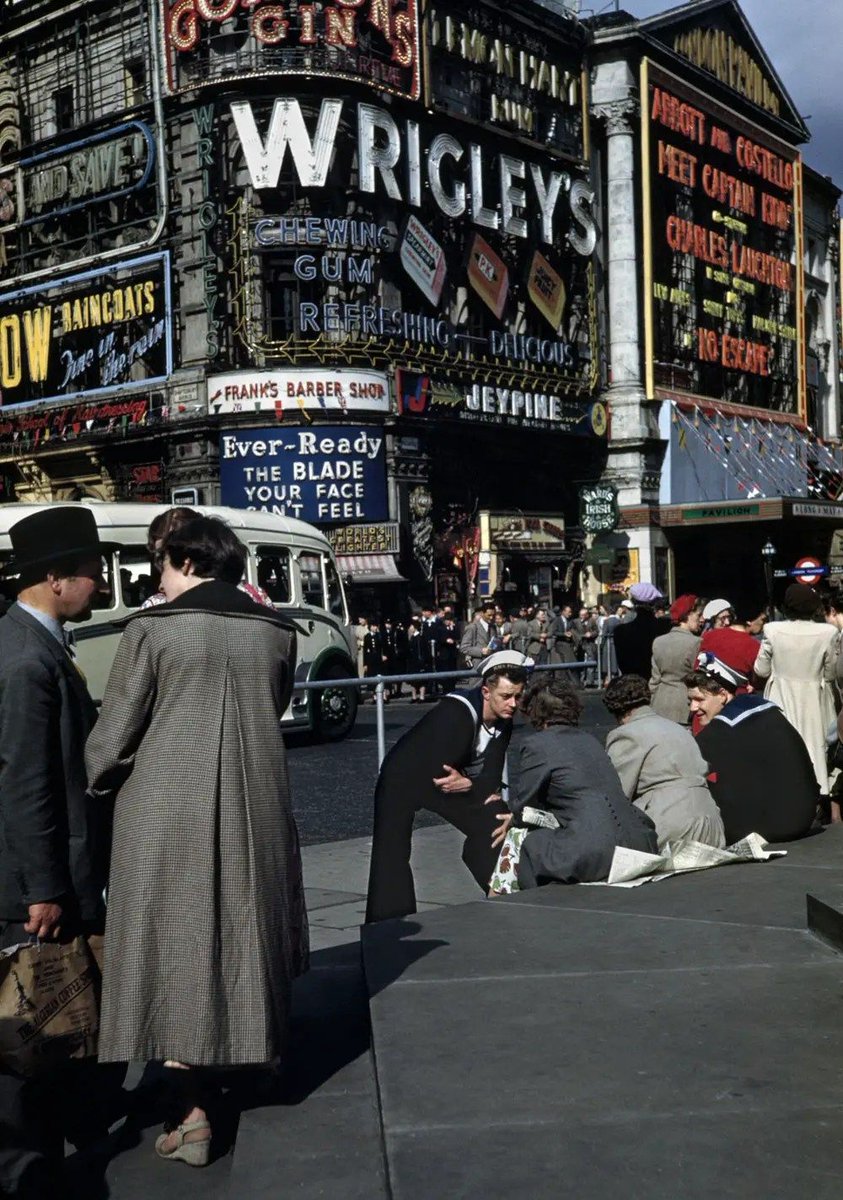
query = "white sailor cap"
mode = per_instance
[
  {"x": 504, "y": 658},
  {"x": 716, "y": 668}
]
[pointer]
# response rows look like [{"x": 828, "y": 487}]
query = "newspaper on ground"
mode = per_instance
[{"x": 631, "y": 868}]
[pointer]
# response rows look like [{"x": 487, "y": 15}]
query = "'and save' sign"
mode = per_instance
[{"x": 326, "y": 474}]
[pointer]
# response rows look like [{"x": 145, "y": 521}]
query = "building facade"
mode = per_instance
[
  {"x": 722, "y": 296},
  {"x": 420, "y": 273},
  {"x": 335, "y": 261}
]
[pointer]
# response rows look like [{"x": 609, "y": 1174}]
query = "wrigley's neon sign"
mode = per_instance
[{"x": 503, "y": 194}]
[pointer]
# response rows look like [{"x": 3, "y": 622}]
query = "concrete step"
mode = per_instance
[
  {"x": 324, "y": 1138},
  {"x": 673, "y": 1040}
]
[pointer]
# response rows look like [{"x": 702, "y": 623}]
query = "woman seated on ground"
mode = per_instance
[
  {"x": 660, "y": 767},
  {"x": 566, "y": 772},
  {"x": 761, "y": 774}
]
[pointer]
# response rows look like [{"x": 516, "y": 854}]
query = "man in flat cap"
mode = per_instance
[
  {"x": 53, "y": 839},
  {"x": 453, "y": 762}
]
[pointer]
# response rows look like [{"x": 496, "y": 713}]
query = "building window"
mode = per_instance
[
  {"x": 63, "y": 108},
  {"x": 134, "y": 77}
]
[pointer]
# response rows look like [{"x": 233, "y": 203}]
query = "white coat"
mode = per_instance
[{"x": 798, "y": 660}]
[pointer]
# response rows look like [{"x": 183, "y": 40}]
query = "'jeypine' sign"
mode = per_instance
[{"x": 327, "y": 474}]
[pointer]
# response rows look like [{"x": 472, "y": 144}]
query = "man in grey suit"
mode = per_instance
[
  {"x": 53, "y": 838},
  {"x": 563, "y": 635},
  {"x": 481, "y": 637}
]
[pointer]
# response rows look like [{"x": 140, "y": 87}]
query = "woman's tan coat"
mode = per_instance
[
  {"x": 206, "y": 925},
  {"x": 674, "y": 654}
]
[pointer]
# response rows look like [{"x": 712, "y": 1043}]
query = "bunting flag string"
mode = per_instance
[{"x": 760, "y": 456}]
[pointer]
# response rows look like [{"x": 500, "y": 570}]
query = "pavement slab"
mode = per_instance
[
  {"x": 699, "y": 1156},
  {"x": 324, "y": 1138},
  {"x": 676, "y": 1039}
]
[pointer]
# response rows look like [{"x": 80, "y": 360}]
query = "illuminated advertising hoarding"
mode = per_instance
[
  {"x": 373, "y": 41},
  {"x": 96, "y": 333},
  {"x": 723, "y": 252},
  {"x": 371, "y": 235},
  {"x": 80, "y": 194},
  {"x": 328, "y": 474},
  {"x": 495, "y": 68}
]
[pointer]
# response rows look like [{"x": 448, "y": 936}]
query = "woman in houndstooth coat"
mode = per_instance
[{"x": 206, "y": 925}]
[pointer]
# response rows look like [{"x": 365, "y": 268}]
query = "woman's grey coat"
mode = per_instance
[
  {"x": 206, "y": 926},
  {"x": 663, "y": 773},
  {"x": 674, "y": 654},
  {"x": 566, "y": 771}
]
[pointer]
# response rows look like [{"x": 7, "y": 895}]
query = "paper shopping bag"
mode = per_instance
[{"x": 49, "y": 1005}]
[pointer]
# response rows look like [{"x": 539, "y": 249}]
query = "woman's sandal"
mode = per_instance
[{"x": 195, "y": 1154}]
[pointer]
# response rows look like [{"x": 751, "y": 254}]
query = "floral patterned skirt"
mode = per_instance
[{"x": 505, "y": 875}]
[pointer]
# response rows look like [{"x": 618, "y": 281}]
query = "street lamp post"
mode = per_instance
[{"x": 768, "y": 553}]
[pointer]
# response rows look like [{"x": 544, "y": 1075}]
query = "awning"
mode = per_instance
[{"x": 370, "y": 568}]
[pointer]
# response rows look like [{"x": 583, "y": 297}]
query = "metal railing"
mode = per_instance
[{"x": 380, "y": 683}]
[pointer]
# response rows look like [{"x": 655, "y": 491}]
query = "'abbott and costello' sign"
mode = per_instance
[{"x": 726, "y": 280}]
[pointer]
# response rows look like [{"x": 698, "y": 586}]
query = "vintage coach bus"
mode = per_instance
[{"x": 291, "y": 560}]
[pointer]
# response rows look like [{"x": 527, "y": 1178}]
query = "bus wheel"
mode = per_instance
[{"x": 334, "y": 708}]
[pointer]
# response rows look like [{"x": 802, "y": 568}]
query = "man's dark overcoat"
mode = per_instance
[
  {"x": 54, "y": 840},
  {"x": 634, "y": 641}
]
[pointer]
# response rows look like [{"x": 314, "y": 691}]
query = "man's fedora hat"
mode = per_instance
[{"x": 53, "y": 535}]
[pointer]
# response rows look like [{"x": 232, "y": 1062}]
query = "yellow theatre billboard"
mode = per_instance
[
  {"x": 723, "y": 279},
  {"x": 97, "y": 332}
]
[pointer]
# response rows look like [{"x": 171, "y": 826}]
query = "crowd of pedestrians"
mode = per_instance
[
  {"x": 725, "y": 727},
  {"x": 173, "y": 804},
  {"x": 435, "y": 640}
]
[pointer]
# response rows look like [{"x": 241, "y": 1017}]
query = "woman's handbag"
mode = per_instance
[{"x": 49, "y": 1005}]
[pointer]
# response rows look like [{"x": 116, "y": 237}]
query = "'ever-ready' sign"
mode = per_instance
[{"x": 324, "y": 474}]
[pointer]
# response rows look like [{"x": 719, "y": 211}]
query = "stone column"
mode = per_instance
[
  {"x": 622, "y": 258},
  {"x": 633, "y": 464}
]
